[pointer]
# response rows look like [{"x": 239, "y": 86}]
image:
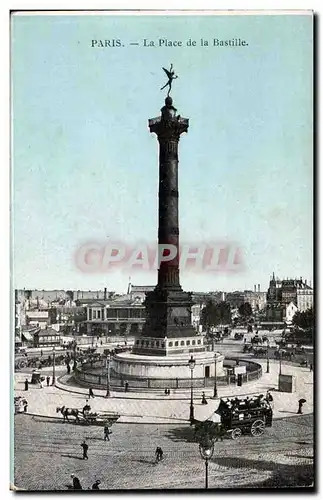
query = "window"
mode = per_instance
[
  {"x": 157, "y": 343},
  {"x": 98, "y": 314},
  {"x": 182, "y": 342},
  {"x": 193, "y": 342},
  {"x": 135, "y": 313},
  {"x": 111, "y": 313},
  {"x": 147, "y": 343},
  {"x": 176, "y": 343},
  {"x": 188, "y": 342},
  {"x": 170, "y": 344},
  {"x": 137, "y": 342},
  {"x": 199, "y": 342}
]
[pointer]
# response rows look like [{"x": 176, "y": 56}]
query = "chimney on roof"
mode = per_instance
[{"x": 105, "y": 294}]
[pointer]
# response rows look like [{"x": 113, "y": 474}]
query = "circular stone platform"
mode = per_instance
[{"x": 126, "y": 364}]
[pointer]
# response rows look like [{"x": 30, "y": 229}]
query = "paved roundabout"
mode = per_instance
[{"x": 155, "y": 407}]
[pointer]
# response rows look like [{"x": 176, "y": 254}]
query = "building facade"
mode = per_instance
[
  {"x": 282, "y": 293},
  {"x": 122, "y": 316}
]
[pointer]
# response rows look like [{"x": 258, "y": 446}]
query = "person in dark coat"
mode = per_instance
[
  {"x": 91, "y": 393},
  {"x": 300, "y": 406},
  {"x": 48, "y": 380},
  {"x": 85, "y": 448},
  {"x": 26, "y": 384},
  {"x": 76, "y": 483},
  {"x": 107, "y": 433},
  {"x": 126, "y": 387},
  {"x": 204, "y": 402},
  {"x": 95, "y": 485}
]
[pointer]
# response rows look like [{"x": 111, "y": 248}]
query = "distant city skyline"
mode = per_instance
[
  {"x": 135, "y": 283},
  {"x": 85, "y": 167}
]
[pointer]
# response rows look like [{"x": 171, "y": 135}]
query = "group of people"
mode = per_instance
[
  {"x": 247, "y": 403},
  {"x": 77, "y": 484},
  {"x": 41, "y": 382}
]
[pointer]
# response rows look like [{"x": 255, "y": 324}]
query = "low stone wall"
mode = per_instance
[{"x": 88, "y": 376}]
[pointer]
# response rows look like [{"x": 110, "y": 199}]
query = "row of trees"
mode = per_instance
[
  {"x": 304, "y": 319},
  {"x": 214, "y": 314}
]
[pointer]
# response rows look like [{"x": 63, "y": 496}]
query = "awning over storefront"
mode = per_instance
[{"x": 27, "y": 336}]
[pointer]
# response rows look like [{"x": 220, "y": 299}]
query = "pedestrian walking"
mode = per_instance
[
  {"x": 85, "y": 449},
  {"x": 159, "y": 454},
  {"x": 25, "y": 404},
  {"x": 221, "y": 432},
  {"x": 40, "y": 384},
  {"x": 26, "y": 384},
  {"x": 311, "y": 367},
  {"x": 126, "y": 387},
  {"x": 300, "y": 406},
  {"x": 204, "y": 402},
  {"x": 91, "y": 393},
  {"x": 48, "y": 380},
  {"x": 107, "y": 433},
  {"x": 41, "y": 353},
  {"x": 76, "y": 483},
  {"x": 95, "y": 485}
]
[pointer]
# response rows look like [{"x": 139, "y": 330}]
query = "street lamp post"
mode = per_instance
[
  {"x": 280, "y": 362},
  {"x": 268, "y": 370},
  {"x": 54, "y": 377},
  {"x": 108, "y": 375},
  {"x": 191, "y": 365},
  {"x": 206, "y": 451},
  {"x": 74, "y": 354},
  {"x": 215, "y": 389}
]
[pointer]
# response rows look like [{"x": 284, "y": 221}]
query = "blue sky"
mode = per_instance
[{"x": 85, "y": 167}]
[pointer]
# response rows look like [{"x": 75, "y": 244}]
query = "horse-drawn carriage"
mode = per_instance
[
  {"x": 236, "y": 417},
  {"x": 88, "y": 417}
]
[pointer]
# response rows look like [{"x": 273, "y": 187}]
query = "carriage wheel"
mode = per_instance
[
  {"x": 257, "y": 428},
  {"x": 236, "y": 433}
]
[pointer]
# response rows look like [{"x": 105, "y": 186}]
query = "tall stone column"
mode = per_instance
[
  {"x": 168, "y": 129},
  {"x": 168, "y": 307}
]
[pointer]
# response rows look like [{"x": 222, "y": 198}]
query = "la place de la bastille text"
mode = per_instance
[{"x": 216, "y": 42}]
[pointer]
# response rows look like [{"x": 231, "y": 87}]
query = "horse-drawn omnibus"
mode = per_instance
[{"x": 236, "y": 417}]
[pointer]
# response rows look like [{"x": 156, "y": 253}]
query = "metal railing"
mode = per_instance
[{"x": 85, "y": 375}]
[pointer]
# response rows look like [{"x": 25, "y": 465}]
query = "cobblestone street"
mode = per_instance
[{"x": 48, "y": 452}]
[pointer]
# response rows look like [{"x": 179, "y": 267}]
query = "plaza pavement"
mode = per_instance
[{"x": 154, "y": 407}]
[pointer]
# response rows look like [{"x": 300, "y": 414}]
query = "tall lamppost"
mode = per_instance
[
  {"x": 268, "y": 370},
  {"x": 206, "y": 451},
  {"x": 280, "y": 362},
  {"x": 54, "y": 377},
  {"x": 74, "y": 354},
  {"x": 108, "y": 375},
  {"x": 215, "y": 389},
  {"x": 191, "y": 365}
]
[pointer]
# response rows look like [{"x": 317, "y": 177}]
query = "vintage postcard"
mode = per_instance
[{"x": 162, "y": 250}]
